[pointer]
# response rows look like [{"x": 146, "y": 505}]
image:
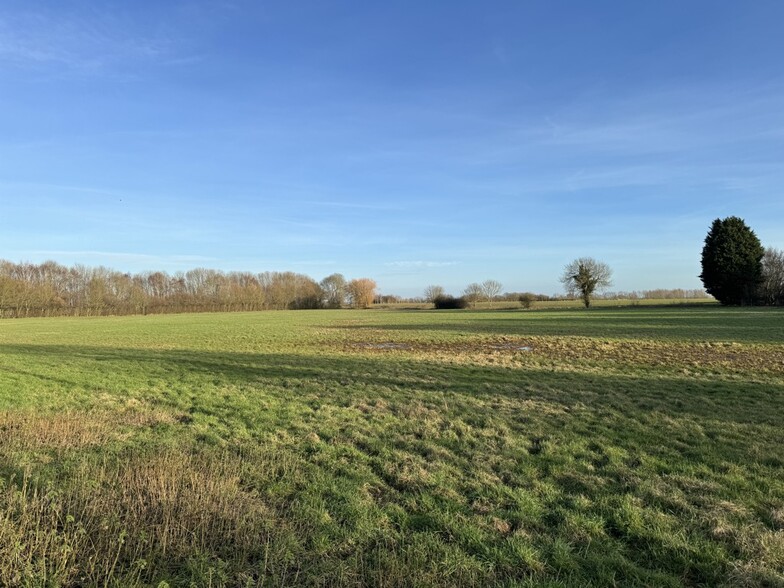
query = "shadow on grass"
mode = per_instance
[
  {"x": 612, "y": 409},
  {"x": 742, "y": 402},
  {"x": 687, "y": 323}
]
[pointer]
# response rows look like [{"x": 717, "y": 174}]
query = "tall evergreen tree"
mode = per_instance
[{"x": 732, "y": 262}]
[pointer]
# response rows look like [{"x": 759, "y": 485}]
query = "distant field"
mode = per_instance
[
  {"x": 564, "y": 304},
  {"x": 635, "y": 446}
]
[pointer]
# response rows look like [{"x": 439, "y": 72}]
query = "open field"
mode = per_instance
[
  {"x": 572, "y": 304},
  {"x": 630, "y": 447}
]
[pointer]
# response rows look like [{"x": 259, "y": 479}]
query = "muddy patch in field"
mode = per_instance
[
  {"x": 511, "y": 347},
  {"x": 724, "y": 356},
  {"x": 383, "y": 346},
  {"x": 392, "y": 346}
]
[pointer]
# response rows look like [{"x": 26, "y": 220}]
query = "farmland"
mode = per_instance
[{"x": 629, "y": 446}]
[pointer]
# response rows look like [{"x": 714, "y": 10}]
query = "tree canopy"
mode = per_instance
[
  {"x": 361, "y": 291},
  {"x": 334, "y": 290},
  {"x": 732, "y": 262},
  {"x": 584, "y": 276}
]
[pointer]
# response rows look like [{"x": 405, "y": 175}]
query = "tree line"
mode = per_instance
[
  {"x": 736, "y": 269},
  {"x": 51, "y": 289},
  {"x": 476, "y": 292}
]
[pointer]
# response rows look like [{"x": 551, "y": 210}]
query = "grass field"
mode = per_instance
[{"x": 610, "y": 447}]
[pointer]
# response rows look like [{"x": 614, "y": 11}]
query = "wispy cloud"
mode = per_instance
[
  {"x": 120, "y": 257},
  {"x": 420, "y": 264},
  {"x": 53, "y": 187},
  {"x": 271, "y": 262},
  {"x": 353, "y": 205},
  {"x": 78, "y": 43}
]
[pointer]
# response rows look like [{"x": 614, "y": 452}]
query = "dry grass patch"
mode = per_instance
[
  {"x": 506, "y": 350},
  {"x": 143, "y": 516},
  {"x": 73, "y": 430},
  {"x": 777, "y": 518}
]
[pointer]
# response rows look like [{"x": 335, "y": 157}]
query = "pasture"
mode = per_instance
[{"x": 636, "y": 446}]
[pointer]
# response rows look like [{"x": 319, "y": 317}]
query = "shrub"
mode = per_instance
[
  {"x": 445, "y": 301},
  {"x": 527, "y": 299}
]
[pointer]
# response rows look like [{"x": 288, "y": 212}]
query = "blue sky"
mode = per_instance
[{"x": 412, "y": 142}]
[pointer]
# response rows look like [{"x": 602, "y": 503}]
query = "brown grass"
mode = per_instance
[
  {"x": 143, "y": 513},
  {"x": 514, "y": 351},
  {"x": 27, "y": 430}
]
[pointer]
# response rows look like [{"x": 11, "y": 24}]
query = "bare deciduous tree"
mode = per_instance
[
  {"x": 334, "y": 287},
  {"x": 772, "y": 288},
  {"x": 473, "y": 293},
  {"x": 491, "y": 289},
  {"x": 362, "y": 291},
  {"x": 432, "y": 292},
  {"x": 584, "y": 276}
]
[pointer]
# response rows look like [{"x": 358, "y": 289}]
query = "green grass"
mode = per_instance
[{"x": 636, "y": 446}]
